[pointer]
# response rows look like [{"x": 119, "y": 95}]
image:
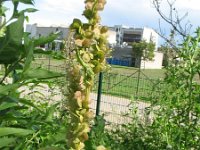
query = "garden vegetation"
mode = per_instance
[{"x": 36, "y": 122}]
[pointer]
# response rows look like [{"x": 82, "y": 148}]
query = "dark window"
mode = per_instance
[{"x": 129, "y": 38}]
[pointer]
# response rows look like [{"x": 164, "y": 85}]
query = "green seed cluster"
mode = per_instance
[{"x": 87, "y": 59}]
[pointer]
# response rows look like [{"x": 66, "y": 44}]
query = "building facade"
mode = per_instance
[
  {"x": 123, "y": 54},
  {"x": 119, "y": 38},
  {"x": 126, "y": 35},
  {"x": 36, "y": 31}
]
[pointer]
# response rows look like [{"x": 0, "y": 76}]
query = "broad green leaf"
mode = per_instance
[
  {"x": 6, "y": 105},
  {"x": 3, "y": 10},
  {"x": 29, "y": 10},
  {"x": 31, "y": 2},
  {"x": 50, "y": 113},
  {"x": 43, "y": 40},
  {"x": 40, "y": 73},
  {"x": 15, "y": 30},
  {"x": 8, "y": 88},
  {"x": 29, "y": 56},
  {"x": 8, "y": 55},
  {"x": 11, "y": 43},
  {"x": 6, "y": 141},
  {"x": 5, "y": 131},
  {"x": 29, "y": 103}
]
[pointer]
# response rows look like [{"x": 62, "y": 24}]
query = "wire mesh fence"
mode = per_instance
[{"x": 118, "y": 93}]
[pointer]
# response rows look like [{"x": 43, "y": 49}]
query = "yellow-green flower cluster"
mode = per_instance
[{"x": 90, "y": 49}]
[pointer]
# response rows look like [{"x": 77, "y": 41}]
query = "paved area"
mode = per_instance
[
  {"x": 114, "y": 109},
  {"x": 117, "y": 110}
]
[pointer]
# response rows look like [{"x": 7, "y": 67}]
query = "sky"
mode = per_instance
[{"x": 135, "y": 13}]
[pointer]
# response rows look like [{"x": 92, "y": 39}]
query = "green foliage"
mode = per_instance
[
  {"x": 169, "y": 55},
  {"x": 5, "y": 131},
  {"x": 97, "y": 136},
  {"x": 178, "y": 116},
  {"x": 25, "y": 122},
  {"x": 143, "y": 50},
  {"x": 175, "y": 121}
]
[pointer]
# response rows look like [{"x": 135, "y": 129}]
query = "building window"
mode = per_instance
[{"x": 129, "y": 38}]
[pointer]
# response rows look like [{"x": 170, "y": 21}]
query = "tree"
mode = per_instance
[
  {"x": 143, "y": 50},
  {"x": 180, "y": 28}
]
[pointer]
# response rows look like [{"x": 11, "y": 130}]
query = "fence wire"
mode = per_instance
[{"x": 119, "y": 93}]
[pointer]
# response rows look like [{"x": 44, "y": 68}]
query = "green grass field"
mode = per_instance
[
  {"x": 119, "y": 80},
  {"x": 128, "y": 86},
  {"x": 151, "y": 73}
]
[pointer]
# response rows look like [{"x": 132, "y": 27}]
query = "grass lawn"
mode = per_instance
[
  {"x": 150, "y": 73},
  {"x": 49, "y": 64},
  {"x": 128, "y": 86},
  {"x": 52, "y": 62},
  {"x": 119, "y": 80}
]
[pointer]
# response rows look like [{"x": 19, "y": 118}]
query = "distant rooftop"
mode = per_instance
[{"x": 52, "y": 25}]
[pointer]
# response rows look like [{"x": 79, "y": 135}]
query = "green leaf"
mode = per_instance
[
  {"x": 40, "y": 73},
  {"x": 11, "y": 43},
  {"x": 5, "y": 131},
  {"x": 3, "y": 10},
  {"x": 29, "y": 47},
  {"x": 29, "y": 10},
  {"x": 8, "y": 88},
  {"x": 43, "y": 40},
  {"x": 31, "y": 2},
  {"x": 29, "y": 103},
  {"x": 15, "y": 31},
  {"x": 6, "y": 141},
  {"x": 6, "y": 105},
  {"x": 50, "y": 113}
]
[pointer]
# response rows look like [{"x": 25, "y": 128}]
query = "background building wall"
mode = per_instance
[
  {"x": 112, "y": 36},
  {"x": 38, "y": 30},
  {"x": 126, "y": 54},
  {"x": 149, "y": 35},
  {"x": 156, "y": 63}
]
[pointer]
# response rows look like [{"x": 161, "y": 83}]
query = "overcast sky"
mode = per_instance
[{"x": 137, "y": 13}]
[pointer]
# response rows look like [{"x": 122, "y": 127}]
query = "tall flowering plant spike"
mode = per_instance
[{"x": 86, "y": 59}]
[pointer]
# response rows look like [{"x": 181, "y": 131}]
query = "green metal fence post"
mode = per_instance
[
  {"x": 99, "y": 93},
  {"x": 138, "y": 79},
  {"x": 49, "y": 63}
]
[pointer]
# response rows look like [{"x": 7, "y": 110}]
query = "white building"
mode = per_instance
[
  {"x": 119, "y": 37},
  {"x": 39, "y": 30},
  {"x": 124, "y": 56},
  {"x": 112, "y": 36},
  {"x": 36, "y": 30},
  {"x": 125, "y": 34},
  {"x": 123, "y": 52}
]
